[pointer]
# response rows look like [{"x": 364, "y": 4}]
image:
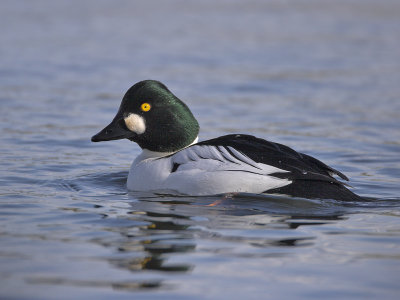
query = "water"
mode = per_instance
[{"x": 319, "y": 76}]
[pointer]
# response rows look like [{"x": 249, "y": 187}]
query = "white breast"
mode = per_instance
[{"x": 203, "y": 170}]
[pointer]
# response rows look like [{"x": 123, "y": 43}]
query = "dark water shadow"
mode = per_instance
[
  {"x": 240, "y": 204},
  {"x": 116, "y": 285}
]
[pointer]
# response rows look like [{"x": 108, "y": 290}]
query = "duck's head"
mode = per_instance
[{"x": 153, "y": 117}]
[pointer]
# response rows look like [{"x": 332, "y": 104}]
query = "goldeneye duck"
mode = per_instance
[{"x": 172, "y": 159}]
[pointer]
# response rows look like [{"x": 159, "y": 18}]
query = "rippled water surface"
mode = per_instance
[{"x": 320, "y": 76}]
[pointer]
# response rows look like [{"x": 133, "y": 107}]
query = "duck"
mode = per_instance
[{"x": 174, "y": 161}]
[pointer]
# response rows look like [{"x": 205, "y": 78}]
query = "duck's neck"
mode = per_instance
[{"x": 154, "y": 154}]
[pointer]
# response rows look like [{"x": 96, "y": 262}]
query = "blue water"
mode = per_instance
[{"x": 320, "y": 76}]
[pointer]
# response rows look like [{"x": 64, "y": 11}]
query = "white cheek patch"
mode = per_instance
[{"x": 135, "y": 123}]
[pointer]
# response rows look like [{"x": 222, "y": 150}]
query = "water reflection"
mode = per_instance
[
  {"x": 162, "y": 236},
  {"x": 119, "y": 285},
  {"x": 242, "y": 225}
]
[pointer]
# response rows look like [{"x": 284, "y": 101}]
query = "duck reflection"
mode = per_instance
[
  {"x": 176, "y": 226},
  {"x": 161, "y": 237}
]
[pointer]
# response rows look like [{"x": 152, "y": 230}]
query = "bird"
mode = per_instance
[{"x": 174, "y": 161}]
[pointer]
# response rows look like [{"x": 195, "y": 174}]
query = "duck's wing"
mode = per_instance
[
  {"x": 288, "y": 171},
  {"x": 296, "y": 165},
  {"x": 214, "y": 169},
  {"x": 215, "y": 158}
]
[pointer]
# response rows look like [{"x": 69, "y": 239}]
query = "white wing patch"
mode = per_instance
[
  {"x": 221, "y": 159},
  {"x": 204, "y": 170}
]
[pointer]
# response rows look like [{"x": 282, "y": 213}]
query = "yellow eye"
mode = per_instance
[{"x": 145, "y": 107}]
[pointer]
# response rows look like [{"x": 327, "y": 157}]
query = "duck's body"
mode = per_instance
[
  {"x": 204, "y": 169},
  {"x": 173, "y": 161}
]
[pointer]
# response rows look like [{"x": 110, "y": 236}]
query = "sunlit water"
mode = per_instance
[{"x": 320, "y": 76}]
